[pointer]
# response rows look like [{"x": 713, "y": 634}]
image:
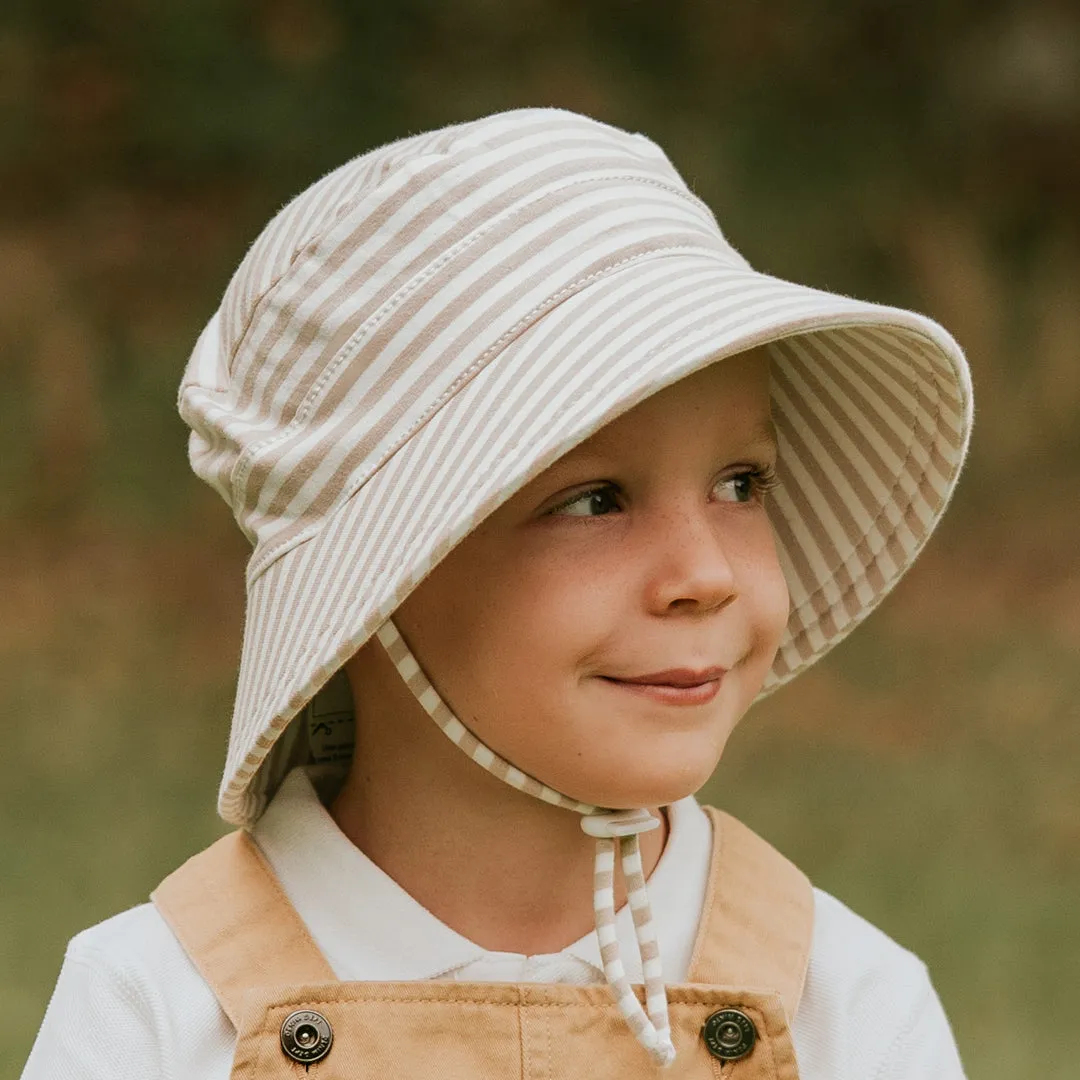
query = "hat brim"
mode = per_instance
[{"x": 872, "y": 408}]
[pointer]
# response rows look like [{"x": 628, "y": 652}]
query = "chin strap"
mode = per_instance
[{"x": 610, "y": 829}]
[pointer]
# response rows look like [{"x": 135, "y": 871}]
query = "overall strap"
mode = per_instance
[
  {"x": 758, "y": 919},
  {"x": 225, "y": 905}
]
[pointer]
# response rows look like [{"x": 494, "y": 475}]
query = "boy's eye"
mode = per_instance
[
  {"x": 748, "y": 485},
  {"x": 601, "y": 500},
  {"x": 745, "y": 486}
]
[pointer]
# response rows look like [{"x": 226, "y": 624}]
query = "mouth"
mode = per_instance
[{"x": 678, "y": 686}]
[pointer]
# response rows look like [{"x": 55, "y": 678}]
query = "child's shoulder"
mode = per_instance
[
  {"x": 134, "y": 957},
  {"x": 869, "y": 1001},
  {"x": 128, "y": 1001},
  {"x": 129, "y": 946},
  {"x": 847, "y": 947}
]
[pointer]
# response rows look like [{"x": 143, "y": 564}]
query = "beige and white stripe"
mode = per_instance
[
  {"x": 424, "y": 330},
  {"x": 650, "y": 1026}
]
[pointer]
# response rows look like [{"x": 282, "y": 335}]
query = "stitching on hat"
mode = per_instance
[
  {"x": 379, "y": 175},
  {"x": 271, "y": 552},
  {"x": 349, "y": 349},
  {"x": 245, "y": 462}
]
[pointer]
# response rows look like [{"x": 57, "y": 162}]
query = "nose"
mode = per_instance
[{"x": 690, "y": 569}]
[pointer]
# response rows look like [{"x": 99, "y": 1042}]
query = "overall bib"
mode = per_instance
[{"x": 294, "y": 1019}]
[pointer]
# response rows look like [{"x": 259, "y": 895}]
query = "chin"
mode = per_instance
[{"x": 633, "y": 788}]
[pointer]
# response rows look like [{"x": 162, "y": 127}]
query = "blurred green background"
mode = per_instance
[{"x": 924, "y": 154}]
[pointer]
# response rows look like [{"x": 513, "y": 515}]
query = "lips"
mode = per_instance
[
  {"x": 677, "y": 677},
  {"x": 676, "y": 686}
]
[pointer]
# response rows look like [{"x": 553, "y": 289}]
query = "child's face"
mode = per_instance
[{"x": 645, "y": 551}]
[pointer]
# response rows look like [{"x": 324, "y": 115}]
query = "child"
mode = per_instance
[{"x": 524, "y": 447}]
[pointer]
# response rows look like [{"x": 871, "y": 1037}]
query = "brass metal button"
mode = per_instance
[
  {"x": 306, "y": 1036},
  {"x": 729, "y": 1034}
]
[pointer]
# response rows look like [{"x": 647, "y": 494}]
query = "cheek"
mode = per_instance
[
  {"x": 764, "y": 589},
  {"x": 543, "y": 626},
  {"x": 774, "y": 606},
  {"x": 495, "y": 635}
]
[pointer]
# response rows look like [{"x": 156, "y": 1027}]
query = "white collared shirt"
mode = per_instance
[
  {"x": 129, "y": 1005},
  {"x": 390, "y": 937}
]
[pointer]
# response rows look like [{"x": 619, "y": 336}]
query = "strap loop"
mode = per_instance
[{"x": 618, "y": 823}]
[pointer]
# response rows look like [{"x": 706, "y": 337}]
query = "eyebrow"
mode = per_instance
[{"x": 764, "y": 433}]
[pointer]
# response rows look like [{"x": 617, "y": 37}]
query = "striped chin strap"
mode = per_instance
[{"x": 610, "y": 828}]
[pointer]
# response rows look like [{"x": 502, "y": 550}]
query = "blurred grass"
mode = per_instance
[{"x": 925, "y": 155}]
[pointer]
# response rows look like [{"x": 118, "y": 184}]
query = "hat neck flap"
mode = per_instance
[{"x": 611, "y": 829}]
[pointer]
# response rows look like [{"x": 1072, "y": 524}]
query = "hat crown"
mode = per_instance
[{"x": 380, "y": 291}]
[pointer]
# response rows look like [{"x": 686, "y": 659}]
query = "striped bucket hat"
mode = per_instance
[{"x": 423, "y": 331}]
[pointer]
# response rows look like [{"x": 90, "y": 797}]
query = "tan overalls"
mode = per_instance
[{"x": 295, "y": 1019}]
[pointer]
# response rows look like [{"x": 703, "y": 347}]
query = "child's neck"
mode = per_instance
[{"x": 501, "y": 868}]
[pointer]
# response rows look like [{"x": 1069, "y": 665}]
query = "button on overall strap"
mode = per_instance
[{"x": 230, "y": 914}]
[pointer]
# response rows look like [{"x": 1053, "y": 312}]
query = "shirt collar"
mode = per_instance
[{"x": 369, "y": 928}]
